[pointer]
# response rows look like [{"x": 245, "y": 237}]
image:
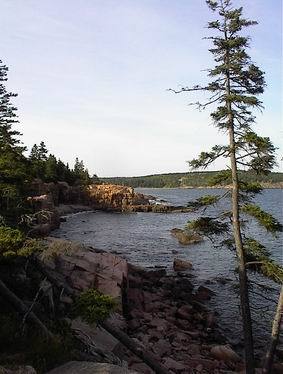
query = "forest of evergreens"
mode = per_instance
[{"x": 192, "y": 179}]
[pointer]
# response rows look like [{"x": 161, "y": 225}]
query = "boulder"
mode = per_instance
[
  {"x": 185, "y": 312},
  {"x": 181, "y": 265},
  {"x": 185, "y": 237},
  {"x": 84, "y": 367},
  {"x": 162, "y": 348},
  {"x": 203, "y": 293},
  {"x": 224, "y": 353},
  {"x": 171, "y": 364}
]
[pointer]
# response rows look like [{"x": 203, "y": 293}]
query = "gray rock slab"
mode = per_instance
[{"x": 84, "y": 367}]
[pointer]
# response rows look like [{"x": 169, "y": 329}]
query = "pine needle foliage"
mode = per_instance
[
  {"x": 258, "y": 259},
  {"x": 204, "y": 201},
  {"x": 265, "y": 219},
  {"x": 208, "y": 226}
]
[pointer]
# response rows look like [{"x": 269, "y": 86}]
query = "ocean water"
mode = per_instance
[{"x": 145, "y": 239}]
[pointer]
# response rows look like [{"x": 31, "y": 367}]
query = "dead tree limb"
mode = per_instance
[
  {"x": 147, "y": 357},
  {"x": 20, "y": 307},
  {"x": 268, "y": 363}
]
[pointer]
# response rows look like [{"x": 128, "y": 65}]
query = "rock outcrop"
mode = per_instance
[
  {"x": 82, "y": 267},
  {"x": 45, "y": 217},
  {"x": 61, "y": 192},
  {"x": 45, "y": 200},
  {"x": 114, "y": 198},
  {"x": 181, "y": 265},
  {"x": 185, "y": 237}
]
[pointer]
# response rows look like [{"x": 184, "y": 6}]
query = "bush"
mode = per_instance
[
  {"x": 93, "y": 306},
  {"x": 11, "y": 240},
  {"x": 14, "y": 243}
]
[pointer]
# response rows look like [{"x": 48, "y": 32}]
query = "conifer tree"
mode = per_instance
[
  {"x": 81, "y": 173},
  {"x": 13, "y": 172},
  {"x": 51, "y": 174},
  {"x": 235, "y": 83},
  {"x": 38, "y": 158}
]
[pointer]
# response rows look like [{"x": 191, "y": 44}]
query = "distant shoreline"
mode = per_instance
[
  {"x": 271, "y": 187},
  {"x": 201, "y": 179}
]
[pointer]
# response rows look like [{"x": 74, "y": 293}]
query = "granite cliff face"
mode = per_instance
[{"x": 113, "y": 197}]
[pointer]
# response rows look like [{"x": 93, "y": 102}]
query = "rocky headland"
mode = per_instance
[{"x": 49, "y": 202}]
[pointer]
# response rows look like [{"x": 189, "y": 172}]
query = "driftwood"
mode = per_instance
[
  {"x": 267, "y": 368},
  {"x": 23, "y": 309},
  {"x": 129, "y": 343}
]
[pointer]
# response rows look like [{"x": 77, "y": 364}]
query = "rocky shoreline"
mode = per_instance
[
  {"x": 163, "y": 313},
  {"x": 168, "y": 317}
]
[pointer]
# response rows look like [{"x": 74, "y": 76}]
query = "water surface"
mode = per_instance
[{"x": 145, "y": 239}]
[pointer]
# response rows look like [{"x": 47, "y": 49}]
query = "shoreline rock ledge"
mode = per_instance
[{"x": 162, "y": 313}]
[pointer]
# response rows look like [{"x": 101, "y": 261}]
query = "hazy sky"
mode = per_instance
[{"x": 92, "y": 77}]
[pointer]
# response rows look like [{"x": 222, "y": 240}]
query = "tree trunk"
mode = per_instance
[
  {"x": 243, "y": 281},
  {"x": 22, "y": 308},
  {"x": 267, "y": 367}
]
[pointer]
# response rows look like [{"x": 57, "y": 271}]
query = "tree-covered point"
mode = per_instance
[{"x": 193, "y": 179}]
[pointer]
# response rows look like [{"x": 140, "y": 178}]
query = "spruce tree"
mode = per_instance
[
  {"x": 235, "y": 83},
  {"x": 13, "y": 171},
  {"x": 81, "y": 173},
  {"x": 38, "y": 158}
]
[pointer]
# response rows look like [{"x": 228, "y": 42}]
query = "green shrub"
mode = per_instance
[
  {"x": 11, "y": 240},
  {"x": 14, "y": 243},
  {"x": 93, "y": 306},
  {"x": 31, "y": 246}
]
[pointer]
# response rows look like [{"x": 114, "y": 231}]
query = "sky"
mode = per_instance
[{"x": 92, "y": 78}]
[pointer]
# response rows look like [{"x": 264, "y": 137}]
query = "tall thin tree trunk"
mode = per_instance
[
  {"x": 243, "y": 281},
  {"x": 267, "y": 367}
]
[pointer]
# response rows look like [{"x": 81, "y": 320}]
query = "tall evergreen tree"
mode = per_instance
[
  {"x": 81, "y": 173},
  {"x": 235, "y": 84},
  {"x": 51, "y": 174},
  {"x": 13, "y": 171},
  {"x": 42, "y": 151},
  {"x": 34, "y": 153},
  {"x": 38, "y": 157}
]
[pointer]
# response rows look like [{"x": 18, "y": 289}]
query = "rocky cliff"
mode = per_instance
[{"x": 114, "y": 197}]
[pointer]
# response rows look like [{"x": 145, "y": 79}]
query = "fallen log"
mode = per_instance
[
  {"x": 147, "y": 357},
  {"x": 20, "y": 307},
  {"x": 138, "y": 350}
]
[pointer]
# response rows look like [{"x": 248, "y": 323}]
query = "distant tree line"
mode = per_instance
[{"x": 192, "y": 179}]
